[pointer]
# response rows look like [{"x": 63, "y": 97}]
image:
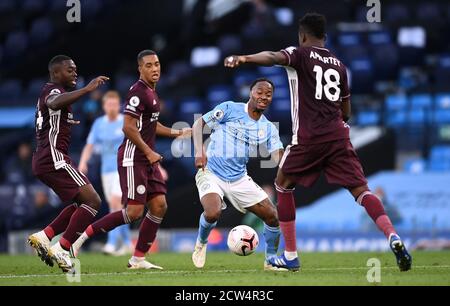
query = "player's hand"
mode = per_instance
[
  {"x": 200, "y": 162},
  {"x": 95, "y": 83},
  {"x": 185, "y": 133},
  {"x": 154, "y": 157},
  {"x": 83, "y": 168},
  {"x": 233, "y": 61}
]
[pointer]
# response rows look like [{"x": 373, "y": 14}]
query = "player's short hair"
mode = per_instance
[
  {"x": 58, "y": 59},
  {"x": 144, "y": 53},
  {"x": 314, "y": 24},
  {"x": 111, "y": 94},
  {"x": 262, "y": 80}
]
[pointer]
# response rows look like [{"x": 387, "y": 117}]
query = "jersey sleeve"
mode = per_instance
[
  {"x": 293, "y": 56},
  {"x": 53, "y": 91},
  {"x": 345, "y": 91},
  {"x": 135, "y": 105},
  {"x": 273, "y": 142},
  {"x": 93, "y": 134},
  {"x": 218, "y": 115}
]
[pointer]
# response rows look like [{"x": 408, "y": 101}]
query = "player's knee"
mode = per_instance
[
  {"x": 271, "y": 218},
  {"x": 212, "y": 216},
  {"x": 135, "y": 212}
]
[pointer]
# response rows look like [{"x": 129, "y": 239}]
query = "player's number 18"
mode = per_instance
[{"x": 329, "y": 83}]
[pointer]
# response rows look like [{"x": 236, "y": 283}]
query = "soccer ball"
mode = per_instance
[{"x": 242, "y": 240}]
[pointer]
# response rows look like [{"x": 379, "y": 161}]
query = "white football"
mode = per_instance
[{"x": 242, "y": 240}]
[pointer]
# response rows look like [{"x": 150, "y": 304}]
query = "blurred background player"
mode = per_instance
[
  {"x": 106, "y": 135},
  {"x": 141, "y": 180},
  {"x": 53, "y": 166},
  {"x": 320, "y": 109},
  {"x": 238, "y": 131}
]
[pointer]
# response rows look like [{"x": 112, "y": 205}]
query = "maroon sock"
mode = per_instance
[
  {"x": 108, "y": 222},
  {"x": 147, "y": 234},
  {"x": 60, "y": 223},
  {"x": 375, "y": 210},
  {"x": 81, "y": 218},
  {"x": 286, "y": 215}
]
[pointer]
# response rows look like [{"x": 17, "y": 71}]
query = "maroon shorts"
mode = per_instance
[
  {"x": 65, "y": 182},
  {"x": 141, "y": 183},
  {"x": 337, "y": 159}
]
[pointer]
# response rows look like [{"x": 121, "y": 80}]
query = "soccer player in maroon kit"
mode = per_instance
[
  {"x": 141, "y": 180},
  {"x": 320, "y": 108},
  {"x": 53, "y": 166}
]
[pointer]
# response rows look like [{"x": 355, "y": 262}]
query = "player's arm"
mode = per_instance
[
  {"x": 265, "y": 58},
  {"x": 85, "y": 157},
  {"x": 199, "y": 149},
  {"x": 277, "y": 155},
  {"x": 346, "y": 109},
  {"x": 59, "y": 101},
  {"x": 162, "y": 130},
  {"x": 132, "y": 133}
]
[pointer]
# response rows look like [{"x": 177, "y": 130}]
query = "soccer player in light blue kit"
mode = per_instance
[
  {"x": 106, "y": 135},
  {"x": 238, "y": 130}
]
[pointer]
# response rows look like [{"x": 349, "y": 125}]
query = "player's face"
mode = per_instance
[
  {"x": 150, "y": 68},
  {"x": 111, "y": 107},
  {"x": 261, "y": 95},
  {"x": 68, "y": 74}
]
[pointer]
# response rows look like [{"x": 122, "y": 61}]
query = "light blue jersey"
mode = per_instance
[
  {"x": 106, "y": 136},
  {"x": 235, "y": 137}
]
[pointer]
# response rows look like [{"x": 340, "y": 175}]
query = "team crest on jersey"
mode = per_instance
[
  {"x": 261, "y": 133},
  {"x": 205, "y": 187},
  {"x": 218, "y": 114},
  {"x": 140, "y": 189},
  {"x": 134, "y": 101}
]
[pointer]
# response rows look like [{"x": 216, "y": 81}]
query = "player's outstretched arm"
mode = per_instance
[
  {"x": 164, "y": 131},
  {"x": 346, "y": 109},
  {"x": 265, "y": 58},
  {"x": 132, "y": 133},
  {"x": 59, "y": 101},
  {"x": 199, "y": 150}
]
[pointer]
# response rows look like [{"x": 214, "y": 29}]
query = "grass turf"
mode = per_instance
[{"x": 429, "y": 268}]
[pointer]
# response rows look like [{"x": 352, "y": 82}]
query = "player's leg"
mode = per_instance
[
  {"x": 285, "y": 186},
  {"x": 157, "y": 207},
  {"x": 211, "y": 198},
  {"x": 114, "y": 205},
  {"x": 212, "y": 209},
  {"x": 375, "y": 209},
  {"x": 267, "y": 212},
  {"x": 131, "y": 180},
  {"x": 343, "y": 167}
]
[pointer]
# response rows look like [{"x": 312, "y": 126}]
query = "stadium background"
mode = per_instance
[{"x": 400, "y": 81}]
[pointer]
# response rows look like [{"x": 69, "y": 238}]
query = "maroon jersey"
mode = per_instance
[
  {"x": 52, "y": 133},
  {"x": 318, "y": 82},
  {"x": 142, "y": 104}
]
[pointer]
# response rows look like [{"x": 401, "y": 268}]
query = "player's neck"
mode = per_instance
[
  {"x": 149, "y": 84},
  {"x": 254, "y": 113},
  {"x": 112, "y": 118},
  {"x": 314, "y": 43}
]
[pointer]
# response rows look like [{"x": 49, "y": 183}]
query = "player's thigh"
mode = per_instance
[
  {"x": 343, "y": 166},
  {"x": 133, "y": 184},
  {"x": 156, "y": 186},
  {"x": 157, "y": 205},
  {"x": 65, "y": 182},
  {"x": 112, "y": 191},
  {"x": 266, "y": 211},
  {"x": 301, "y": 164},
  {"x": 245, "y": 193},
  {"x": 210, "y": 191}
]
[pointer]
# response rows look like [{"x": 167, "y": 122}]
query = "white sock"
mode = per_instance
[
  {"x": 76, "y": 246},
  {"x": 290, "y": 255},
  {"x": 135, "y": 258}
]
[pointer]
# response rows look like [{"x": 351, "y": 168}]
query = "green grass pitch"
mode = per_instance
[{"x": 429, "y": 268}]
